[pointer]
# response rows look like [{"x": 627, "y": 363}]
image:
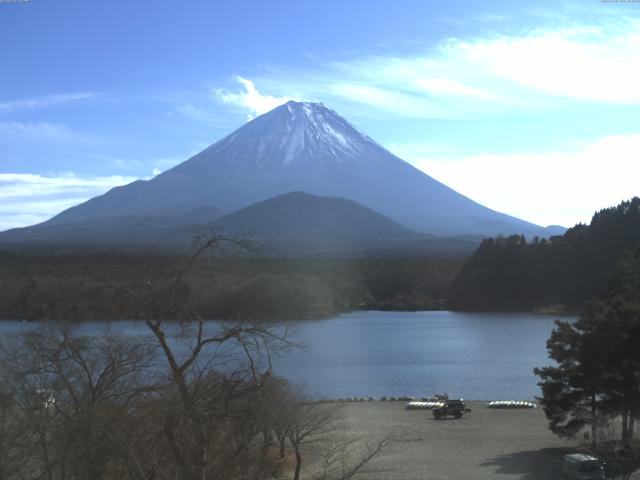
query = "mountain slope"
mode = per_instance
[
  {"x": 303, "y": 147},
  {"x": 295, "y": 224},
  {"x": 294, "y": 221},
  {"x": 298, "y": 223},
  {"x": 299, "y": 215},
  {"x": 164, "y": 230}
]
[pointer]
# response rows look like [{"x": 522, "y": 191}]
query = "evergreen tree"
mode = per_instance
[
  {"x": 572, "y": 391},
  {"x": 597, "y": 370},
  {"x": 621, "y": 337},
  {"x": 511, "y": 273}
]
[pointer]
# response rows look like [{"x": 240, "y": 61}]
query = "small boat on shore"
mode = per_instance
[{"x": 423, "y": 405}]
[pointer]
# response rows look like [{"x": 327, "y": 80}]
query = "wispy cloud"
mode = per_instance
[
  {"x": 156, "y": 165},
  {"x": 191, "y": 111},
  {"x": 572, "y": 184},
  {"x": 26, "y": 199},
  {"x": 40, "y": 131},
  {"x": 251, "y": 99},
  {"x": 45, "y": 101},
  {"x": 200, "y": 111},
  {"x": 535, "y": 68},
  {"x": 443, "y": 86}
]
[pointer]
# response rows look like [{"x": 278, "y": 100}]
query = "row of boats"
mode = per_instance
[
  {"x": 496, "y": 404},
  {"x": 436, "y": 398},
  {"x": 429, "y": 403},
  {"x": 354, "y": 399},
  {"x": 511, "y": 404}
]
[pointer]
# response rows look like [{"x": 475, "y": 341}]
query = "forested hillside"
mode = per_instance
[
  {"x": 564, "y": 271},
  {"x": 97, "y": 286}
]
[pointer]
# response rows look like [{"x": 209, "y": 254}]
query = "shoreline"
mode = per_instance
[{"x": 325, "y": 315}]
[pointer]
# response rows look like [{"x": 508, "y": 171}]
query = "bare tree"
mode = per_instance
[
  {"x": 215, "y": 374},
  {"x": 72, "y": 392},
  {"x": 281, "y": 408},
  {"x": 344, "y": 459},
  {"x": 342, "y": 456},
  {"x": 309, "y": 423},
  {"x": 14, "y": 441}
]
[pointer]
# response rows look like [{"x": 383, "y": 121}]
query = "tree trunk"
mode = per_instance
[
  {"x": 296, "y": 475},
  {"x": 45, "y": 450},
  {"x": 625, "y": 425},
  {"x": 594, "y": 421},
  {"x": 205, "y": 459}
]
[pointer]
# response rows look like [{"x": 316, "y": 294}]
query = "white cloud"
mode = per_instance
[
  {"x": 251, "y": 99},
  {"x": 595, "y": 64},
  {"x": 26, "y": 199},
  {"x": 44, "y": 101},
  {"x": 533, "y": 69},
  {"x": 589, "y": 63},
  {"x": 545, "y": 188}
]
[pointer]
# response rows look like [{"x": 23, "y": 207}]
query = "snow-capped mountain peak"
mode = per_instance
[{"x": 292, "y": 134}]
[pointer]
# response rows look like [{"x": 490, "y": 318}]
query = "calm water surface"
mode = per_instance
[{"x": 470, "y": 355}]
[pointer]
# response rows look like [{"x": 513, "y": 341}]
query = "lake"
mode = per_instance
[
  {"x": 470, "y": 355},
  {"x": 480, "y": 356}
]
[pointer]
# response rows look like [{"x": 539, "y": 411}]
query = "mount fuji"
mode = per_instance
[{"x": 296, "y": 147}]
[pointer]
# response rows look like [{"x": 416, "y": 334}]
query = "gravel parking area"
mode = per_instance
[{"x": 485, "y": 444}]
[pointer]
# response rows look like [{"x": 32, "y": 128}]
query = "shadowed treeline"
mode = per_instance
[
  {"x": 565, "y": 271},
  {"x": 92, "y": 285}
]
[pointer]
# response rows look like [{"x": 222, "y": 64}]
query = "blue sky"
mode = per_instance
[{"x": 528, "y": 109}]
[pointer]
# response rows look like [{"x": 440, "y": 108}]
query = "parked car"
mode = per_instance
[
  {"x": 579, "y": 466},
  {"x": 454, "y": 408}
]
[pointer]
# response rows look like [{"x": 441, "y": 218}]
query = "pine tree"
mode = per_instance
[
  {"x": 572, "y": 391},
  {"x": 597, "y": 371}
]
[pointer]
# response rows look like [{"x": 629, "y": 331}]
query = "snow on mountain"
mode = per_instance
[{"x": 295, "y": 132}]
